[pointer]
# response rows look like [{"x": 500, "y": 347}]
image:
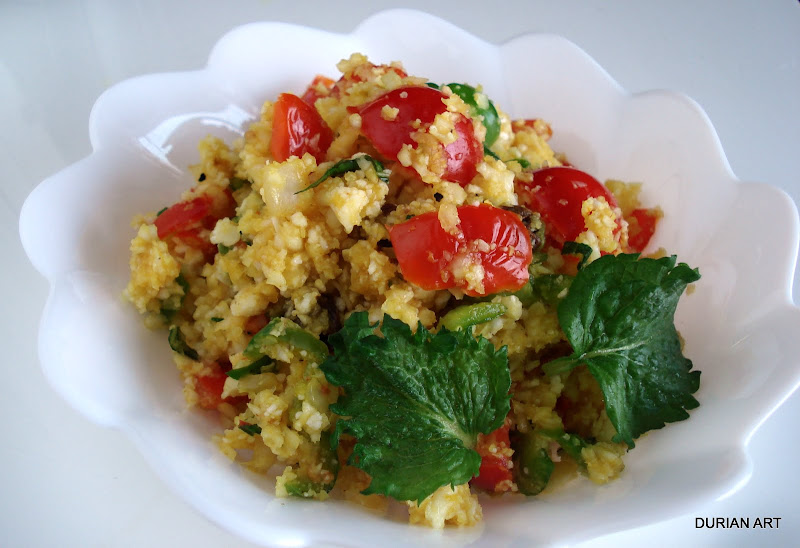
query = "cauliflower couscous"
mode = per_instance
[{"x": 390, "y": 289}]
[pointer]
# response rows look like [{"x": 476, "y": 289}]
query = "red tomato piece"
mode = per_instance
[
  {"x": 423, "y": 104},
  {"x": 182, "y": 216},
  {"x": 492, "y": 237},
  {"x": 495, "y": 471},
  {"x": 646, "y": 226},
  {"x": 298, "y": 128},
  {"x": 463, "y": 155},
  {"x": 209, "y": 388},
  {"x": 313, "y": 91},
  {"x": 198, "y": 239},
  {"x": 254, "y": 324},
  {"x": 557, "y": 193}
]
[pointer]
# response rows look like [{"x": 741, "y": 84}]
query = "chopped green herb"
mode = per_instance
[
  {"x": 256, "y": 367},
  {"x": 160, "y": 211},
  {"x": 236, "y": 183},
  {"x": 619, "y": 318},
  {"x": 344, "y": 166},
  {"x": 488, "y": 152},
  {"x": 178, "y": 344},
  {"x": 216, "y": 319},
  {"x": 251, "y": 429},
  {"x": 521, "y": 161},
  {"x": 411, "y": 436},
  {"x": 574, "y": 248},
  {"x": 173, "y": 304}
]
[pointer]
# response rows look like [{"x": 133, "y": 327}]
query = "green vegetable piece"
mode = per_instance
[
  {"x": 415, "y": 402},
  {"x": 432, "y": 85},
  {"x": 302, "y": 486},
  {"x": 172, "y": 305},
  {"x": 468, "y": 315},
  {"x": 544, "y": 288},
  {"x": 223, "y": 249},
  {"x": 216, "y": 319},
  {"x": 236, "y": 183},
  {"x": 480, "y": 106},
  {"x": 254, "y": 368},
  {"x": 619, "y": 319},
  {"x": 178, "y": 344},
  {"x": 251, "y": 429},
  {"x": 532, "y": 464},
  {"x": 574, "y": 248},
  {"x": 343, "y": 166},
  {"x": 572, "y": 444},
  {"x": 160, "y": 211},
  {"x": 285, "y": 330}
]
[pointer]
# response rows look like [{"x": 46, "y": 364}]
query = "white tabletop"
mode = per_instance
[{"x": 67, "y": 482}]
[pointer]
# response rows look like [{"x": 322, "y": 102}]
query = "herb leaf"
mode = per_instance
[
  {"x": 251, "y": 369},
  {"x": 343, "y": 166},
  {"x": 178, "y": 343},
  {"x": 574, "y": 248},
  {"x": 619, "y": 318},
  {"x": 415, "y": 402},
  {"x": 251, "y": 429}
]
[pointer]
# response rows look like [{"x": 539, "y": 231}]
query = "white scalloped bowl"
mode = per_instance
[{"x": 740, "y": 324}]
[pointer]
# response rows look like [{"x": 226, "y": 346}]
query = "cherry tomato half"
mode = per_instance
[
  {"x": 495, "y": 471},
  {"x": 423, "y": 104},
  {"x": 557, "y": 193},
  {"x": 492, "y": 237},
  {"x": 298, "y": 128}
]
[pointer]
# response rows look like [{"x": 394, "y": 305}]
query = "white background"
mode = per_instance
[{"x": 67, "y": 482}]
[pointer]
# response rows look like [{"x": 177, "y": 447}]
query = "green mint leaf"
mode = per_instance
[
  {"x": 343, "y": 166},
  {"x": 415, "y": 402},
  {"x": 619, "y": 318}
]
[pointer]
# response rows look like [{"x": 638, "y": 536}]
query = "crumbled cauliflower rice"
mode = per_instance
[{"x": 314, "y": 256}]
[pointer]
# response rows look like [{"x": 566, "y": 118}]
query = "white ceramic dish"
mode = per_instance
[{"x": 740, "y": 325}]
